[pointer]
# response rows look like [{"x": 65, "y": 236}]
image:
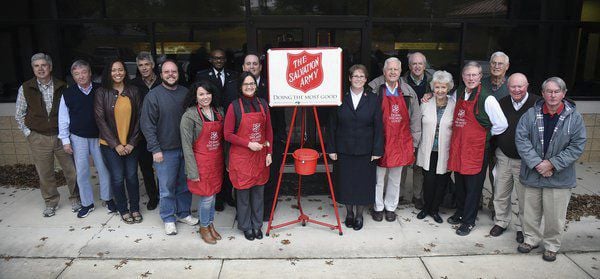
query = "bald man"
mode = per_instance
[{"x": 508, "y": 162}]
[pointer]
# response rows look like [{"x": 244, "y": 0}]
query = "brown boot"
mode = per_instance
[
  {"x": 206, "y": 236},
  {"x": 213, "y": 232}
]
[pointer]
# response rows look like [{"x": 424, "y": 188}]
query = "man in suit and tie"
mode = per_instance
[{"x": 217, "y": 74}]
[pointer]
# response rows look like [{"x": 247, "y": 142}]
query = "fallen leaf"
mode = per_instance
[
  {"x": 329, "y": 262},
  {"x": 426, "y": 249},
  {"x": 43, "y": 238},
  {"x": 479, "y": 245},
  {"x": 100, "y": 254},
  {"x": 231, "y": 238},
  {"x": 431, "y": 244},
  {"x": 145, "y": 274},
  {"x": 188, "y": 267},
  {"x": 461, "y": 262},
  {"x": 68, "y": 263},
  {"x": 406, "y": 219},
  {"x": 86, "y": 228},
  {"x": 120, "y": 264},
  {"x": 137, "y": 240},
  {"x": 274, "y": 235},
  {"x": 285, "y": 242},
  {"x": 320, "y": 208}
]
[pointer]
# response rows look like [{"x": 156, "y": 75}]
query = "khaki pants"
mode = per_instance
[
  {"x": 387, "y": 191},
  {"x": 506, "y": 182},
  {"x": 550, "y": 203},
  {"x": 416, "y": 189},
  {"x": 43, "y": 150}
]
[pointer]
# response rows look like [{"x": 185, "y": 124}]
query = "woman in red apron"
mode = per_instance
[
  {"x": 248, "y": 129},
  {"x": 202, "y": 143}
]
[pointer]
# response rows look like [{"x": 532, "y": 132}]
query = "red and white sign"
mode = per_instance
[{"x": 305, "y": 77}]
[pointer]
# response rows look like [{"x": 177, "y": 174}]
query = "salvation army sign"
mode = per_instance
[{"x": 305, "y": 77}]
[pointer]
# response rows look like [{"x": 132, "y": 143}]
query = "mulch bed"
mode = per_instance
[
  {"x": 582, "y": 206},
  {"x": 24, "y": 176}
]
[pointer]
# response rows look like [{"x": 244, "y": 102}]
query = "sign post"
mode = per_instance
[{"x": 304, "y": 78}]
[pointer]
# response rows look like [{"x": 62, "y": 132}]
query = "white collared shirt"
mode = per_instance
[
  {"x": 494, "y": 112},
  {"x": 519, "y": 105},
  {"x": 356, "y": 97},
  {"x": 222, "y": 75}
]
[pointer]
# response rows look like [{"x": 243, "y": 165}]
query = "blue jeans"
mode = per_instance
[
  {"x": 175, "y": 198},
  {"x": 123, "y": 175},
  {"x": 206, "y": 210},
  {"x": 82, "y": 149}
]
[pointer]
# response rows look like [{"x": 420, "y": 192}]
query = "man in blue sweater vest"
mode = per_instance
[{"x": 79, "y": 133}]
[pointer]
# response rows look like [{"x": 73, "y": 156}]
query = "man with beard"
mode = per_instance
[{"x": 161, "y": 116}]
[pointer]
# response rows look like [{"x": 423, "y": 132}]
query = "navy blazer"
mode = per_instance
[{"x": 356, "y": 132}]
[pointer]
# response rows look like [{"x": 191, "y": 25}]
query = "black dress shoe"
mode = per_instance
[
  {"x": 421, "y": 214},
  {"x": 349, "y": 221},
  {"x": 520, "y": 237},
  {"x": 249, "y": 234},
  {"x": 152, "y": 204},
  {"x": 377, "y": 216},
  {"x": 497, "y": 230},
  {"x": 390, "y": 216},
  {"x": 437, "y": 218},
  {"x": 219, "y": 205},
  {"x": 454, "y": 219},
  {"x": 258, "y": 234},
  {"x": 358, "y": 224}
]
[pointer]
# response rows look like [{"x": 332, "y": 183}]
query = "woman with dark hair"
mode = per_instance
[
  {"x": 355, "y": 141},
  {"x": 117, "y": 108},
  {"x": 248, "y": 129},
  {"x": 202, "y": 143}
]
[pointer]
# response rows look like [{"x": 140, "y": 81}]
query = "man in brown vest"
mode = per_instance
[{"x": 37, "y": 117}]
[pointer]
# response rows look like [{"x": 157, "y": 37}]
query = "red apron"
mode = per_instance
[
  {"x": 398, "y": 148},
  {"x": 248, "y": 168},
  {"x": 467, "y": 145},
  {"x": 208, "y": 152}
]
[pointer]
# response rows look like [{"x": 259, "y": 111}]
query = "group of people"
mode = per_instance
[
  {"x": 219, "y": 140},
  {"x": 531, "y": 143}
]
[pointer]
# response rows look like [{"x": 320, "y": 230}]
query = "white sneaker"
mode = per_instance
[
  {"x": 170, "y": 228},
  {"x": 189, "y": 220}
]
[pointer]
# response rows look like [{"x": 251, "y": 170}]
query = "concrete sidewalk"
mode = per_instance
[{"x": 101, "y": 245}]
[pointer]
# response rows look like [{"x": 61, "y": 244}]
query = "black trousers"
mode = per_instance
[
  {"x": 145, "y": 162},
  {"x": 434, "y": 186},
  {"x": 468, "y": 192},
  {"x": 269, "y": 193}
]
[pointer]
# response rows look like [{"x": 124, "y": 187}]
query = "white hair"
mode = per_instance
[
  {"x": 499, "y": 54},
  {"x": 474, "y": 64},
  {"x": 390, "y": 60},
  {"x": 443, "y": 77},
  {"x": 411, "y": 55},
  {"x": 558, "y": 81}
]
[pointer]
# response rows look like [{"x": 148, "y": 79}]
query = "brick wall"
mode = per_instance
[
  {"x": 13, "y": 147},
  {"x": 592, "y": 147}
]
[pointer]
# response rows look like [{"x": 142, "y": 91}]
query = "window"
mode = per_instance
[{"x": 309, "y": 7}]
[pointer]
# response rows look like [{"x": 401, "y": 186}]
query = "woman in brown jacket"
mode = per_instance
[{"x": 117, "y": 108}]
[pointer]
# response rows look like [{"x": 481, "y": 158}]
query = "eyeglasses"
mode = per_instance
[
  {"x": 249, "y": 84},
  {"x": 359, "y": 77}
]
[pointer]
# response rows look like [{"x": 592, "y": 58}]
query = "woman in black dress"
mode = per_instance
[{"x": 355, "y": 141}]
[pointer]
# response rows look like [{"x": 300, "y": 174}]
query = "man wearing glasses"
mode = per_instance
[
  {"x": 477, "y": 117},
  {"x": 550, "y": 138}
]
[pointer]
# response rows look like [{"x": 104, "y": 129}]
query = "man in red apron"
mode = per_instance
[
  {"x": 477, "y": 116},
  {"x": 402, "y": 133}
]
